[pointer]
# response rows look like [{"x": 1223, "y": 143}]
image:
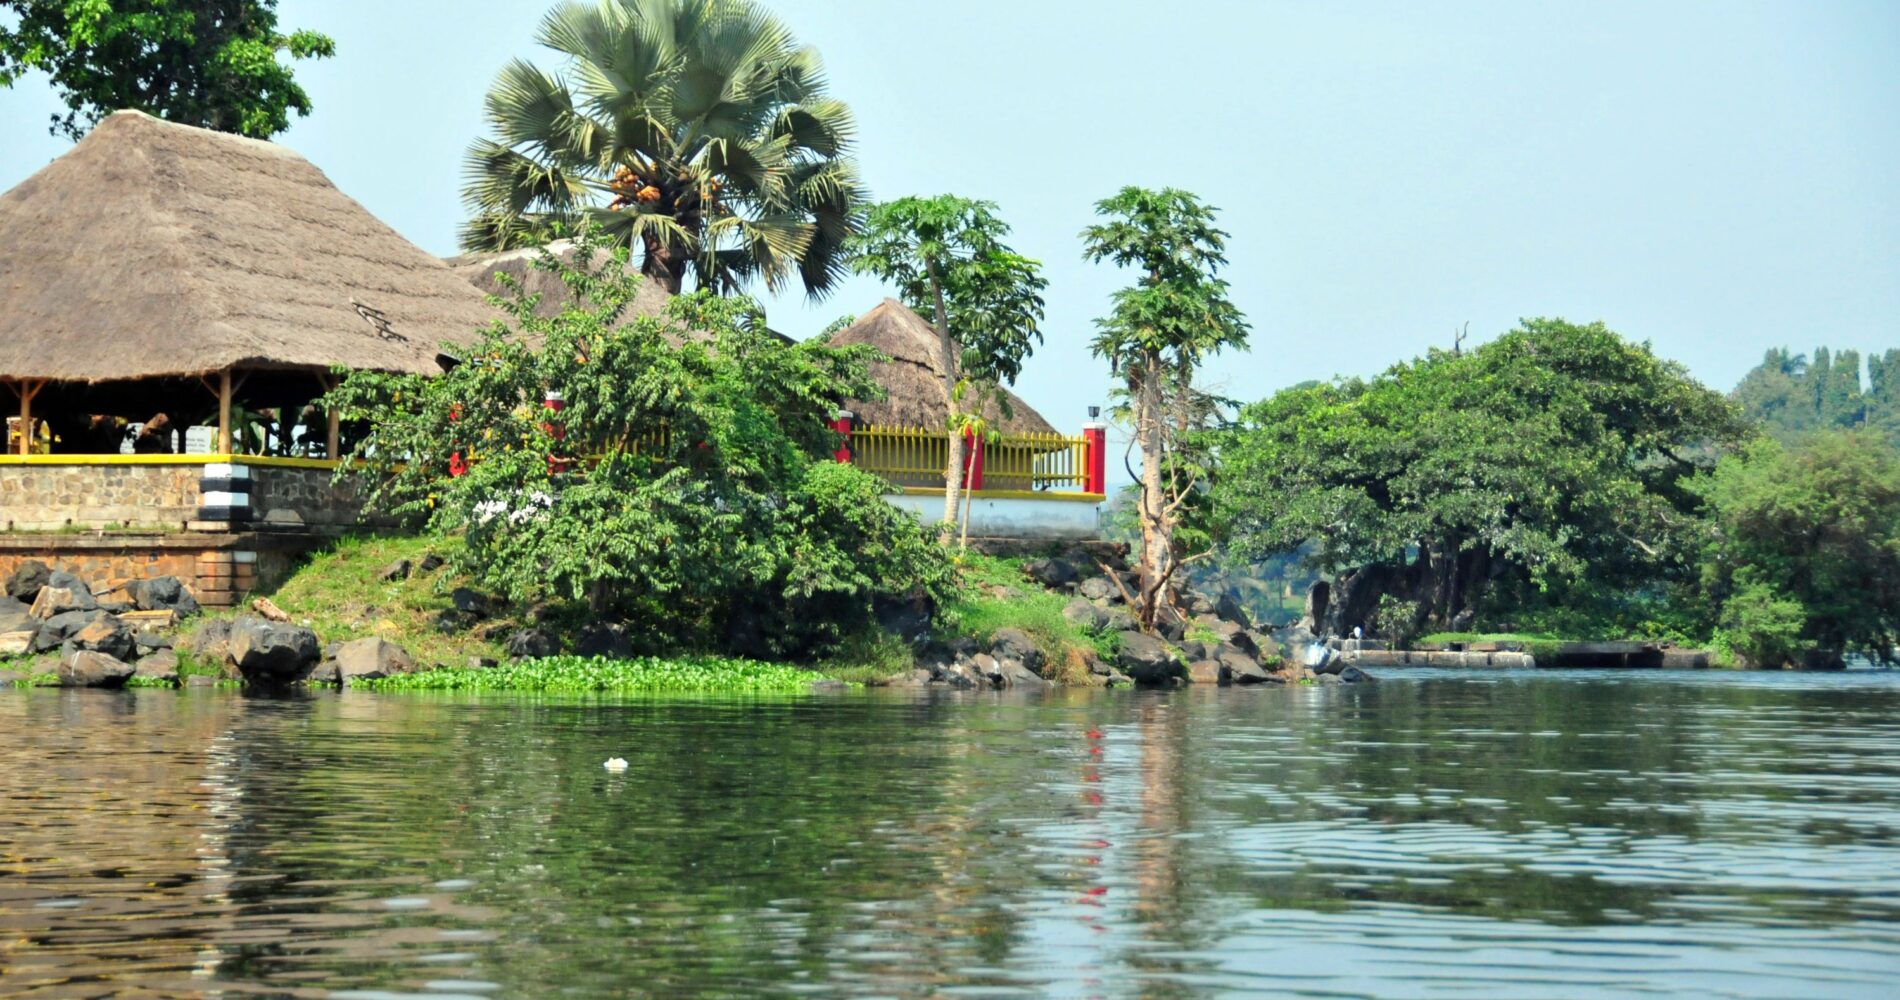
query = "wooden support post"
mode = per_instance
[
  {"x": 333, "y": 434},
  {"x": 28, "y": 390},
  {"x": 224, "y": 412}
]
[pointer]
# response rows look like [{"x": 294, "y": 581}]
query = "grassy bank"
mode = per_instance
[{"x": 996, "y": 596}]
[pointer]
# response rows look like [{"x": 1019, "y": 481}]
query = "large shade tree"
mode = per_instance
[
  {"x": 209, "y": 63},
  {"x": 1545, "y": 468},
  {"x": 696, "y": 132}
]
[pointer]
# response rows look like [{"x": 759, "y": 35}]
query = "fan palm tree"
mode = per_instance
[{"x": 696, "y": 131}]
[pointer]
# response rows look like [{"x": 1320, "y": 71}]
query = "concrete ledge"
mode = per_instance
[{"x": 1031, "y": 516}]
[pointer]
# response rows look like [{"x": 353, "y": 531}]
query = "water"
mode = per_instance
[{"x": 1560, "y": 835}]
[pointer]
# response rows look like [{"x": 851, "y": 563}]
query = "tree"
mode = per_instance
[
  {"x": 947, "y": 258},
  {"x": 1815, "y": 529},
  {"x": 1155, "y": 337},
  {"x": 208, "y": 63},
  {"x": 684, "y": 487},
  {"x": 697, "y": 132},
  {"x": 1545, "y": 468}
]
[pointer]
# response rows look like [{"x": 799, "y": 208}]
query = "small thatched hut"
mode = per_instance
[
  {"x": 913, "y": 379},
  {"x": 162, "y": 268},
  {"x": 482, "y": 269}
]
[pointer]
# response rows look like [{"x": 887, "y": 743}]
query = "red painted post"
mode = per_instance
[
  {"x": 841, "y": 422},
  {"x": 1095, "y": 457},
  {"x": 555, "y": 402},
  {"x": 973, "y": 448},
  {"x": 458, "y": 466}
]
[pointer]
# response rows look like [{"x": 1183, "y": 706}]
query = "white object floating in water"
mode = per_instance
[{"x": 615, "y": 764}]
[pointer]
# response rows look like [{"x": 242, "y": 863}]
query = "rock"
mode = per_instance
[
  {"x": 1171, "y": 627},
  {"x": 450, "y": 621},
  {"x": 1117, "y": 679},
  {"x": 159, "y": 666},
  {"x": 164, "y": 593},
  {"x": 104, "y": 634},
  {"x": 264, "y": 606},
  {"x": 494, "y": 631},
  {"x": 91, "y": 668},
  {"x": 531, "y": 643},
  {"x": 1012, "y": 674},
  {"x": 482, "y": 662},
  {"x": 608, "y": 639},
  {"x": 1087, "y": 615},
  {"x": 1098, "y": 666},
  {"x": 147, "y": 641},
  {"x": 325, "y": 672},
  {"x": 1329, "y": 679},
  {"x": 9, "y": 607},
  {"x": 398, "y": 570},
  {"x": 1229, "y": 609},
  {"x": 54, "y": 600},
  {"x": 56, "y": 630},
  {"x": 430, "y": 563},
  {"x": 1055, "y": 574},
  {"x": 471, "y": 602},
  {"x": 1197, "y": 603},
  {"x": 271, "y": 653},
  {"x": 960, "y": 673},
  {"x": 1098, "y": 588},
  {"x": 12, "y": 678},
  {"x": 1146, "y": 659},
  {"x": 1015, "y": 644},
  {"x": 1203, "y": 672},
  {"x": 200, "y": 681},
  {"x": 1193, "y": 649},
  {"x": 1119, "y": 620},
  {"x": 17, "y": 642},
  {"x": 828, "y": 686},
  {"x": 370, "y": 659},
  {"x": 1239, "y": 668},
  {"x": 26, "y": 580},
  {"x": 212, "y": 640}
]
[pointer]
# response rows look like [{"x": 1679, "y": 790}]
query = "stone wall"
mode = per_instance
[
  {"x": 303, "y": 498},
  {"x": 220, "y": 568},
  {"x": 55, "y": 497}
]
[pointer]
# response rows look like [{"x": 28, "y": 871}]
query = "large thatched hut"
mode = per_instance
[
  {"x": 913, "y": 377},
  {"x": 159, "y": 268},
  {"x": 484, "y": 270}
]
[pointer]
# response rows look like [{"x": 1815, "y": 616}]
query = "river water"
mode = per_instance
[{"x": 1437, "y": 834}]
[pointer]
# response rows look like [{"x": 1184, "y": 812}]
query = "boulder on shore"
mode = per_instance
[
  {"x": 58, "y": 600},
  {"x": 608, "y": 639},
  {"x": 269, "y": 652},
  {"x": 104, "y": 634},
  {"x": 161, "y": 666},
  {"x": 54, "y": 631},
  {"x": 531, "y": 643},
  {"x": 91, "y": 668},
  {"x": 1014, "y": 644},
  {"x": 24, "y": 583},
  {"x": 1084, "y": 613},
  {"x": 164, "y": 593},
  {"x": 1146, "y": 659},
  {"x": 370, "y": 659}
]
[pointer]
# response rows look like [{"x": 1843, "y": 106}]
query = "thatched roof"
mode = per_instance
[
  {"x": 154, "y": 249},
  {"x": 480, "y": 270},
  {"x": 912, "y": 378}
]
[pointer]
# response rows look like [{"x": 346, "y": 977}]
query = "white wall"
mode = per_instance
[{"x": 1055, "y": 520}]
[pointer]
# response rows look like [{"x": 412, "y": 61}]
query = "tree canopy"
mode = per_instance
[
  {"x": 1554, "y": 456},
  {"x": 1803, "y": 554},
  {"x": 697, "y": 132},
  {"x": 684, "y": 486},
  {"x": 1790, "y": 395},
  {"x": 209, "y": 63}
]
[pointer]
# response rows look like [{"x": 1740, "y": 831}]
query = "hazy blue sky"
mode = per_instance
[{"x": 1717, "y": 178}]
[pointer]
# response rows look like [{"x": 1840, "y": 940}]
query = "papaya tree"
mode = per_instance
[
  {"x": 1156, "y": 336},
  {"x": 947, "y": 258}
]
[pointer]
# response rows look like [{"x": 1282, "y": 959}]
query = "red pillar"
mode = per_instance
[
  {"x": 973, "y": 451},
  {"x": 555, "y": 402},
  {"x": 1095, "y": 459},
  {"x": 841, "y": 422}
]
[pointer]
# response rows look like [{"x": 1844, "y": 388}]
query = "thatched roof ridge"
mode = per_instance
[
  {"x": 154, "y": 249},
  {"x": 480, "y": 270},
  {"x": 912, "y": 378}
]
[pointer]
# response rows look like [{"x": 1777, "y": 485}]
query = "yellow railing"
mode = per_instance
[{"x": 915, "y": 456}]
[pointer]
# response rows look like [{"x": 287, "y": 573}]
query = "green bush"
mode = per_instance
[{"x": 1761, "y": 627}]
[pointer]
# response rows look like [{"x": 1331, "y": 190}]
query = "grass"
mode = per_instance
[
  {"x": 339, "y": 594},
  {"x": 995, "y": 596},
  {"x": 873, "y": 656},
  {"x": 577, "y": 675},
  {"x": 1541, "y": 645}
]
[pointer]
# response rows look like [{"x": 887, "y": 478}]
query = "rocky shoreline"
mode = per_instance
[{"x": 57, "y": 626}]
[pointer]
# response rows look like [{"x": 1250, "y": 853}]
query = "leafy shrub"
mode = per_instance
[{"x": 1761, "y": 626}]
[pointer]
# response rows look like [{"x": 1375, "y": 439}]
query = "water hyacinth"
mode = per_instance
[{"x": 585, "y": 675}]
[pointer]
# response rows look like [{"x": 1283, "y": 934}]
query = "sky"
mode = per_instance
[{"x": 1714, "y": 178}]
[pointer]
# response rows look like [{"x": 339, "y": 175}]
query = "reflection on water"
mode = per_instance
[{"x": 1435, "y": 834}]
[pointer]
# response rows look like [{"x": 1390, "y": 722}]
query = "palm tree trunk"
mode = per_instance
[
  {"x": 665, "y": 264},
  {"x": 1156, "y": 543}
]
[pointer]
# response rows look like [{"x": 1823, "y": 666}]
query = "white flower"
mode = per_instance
[{"x": 616, "y": 764}]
